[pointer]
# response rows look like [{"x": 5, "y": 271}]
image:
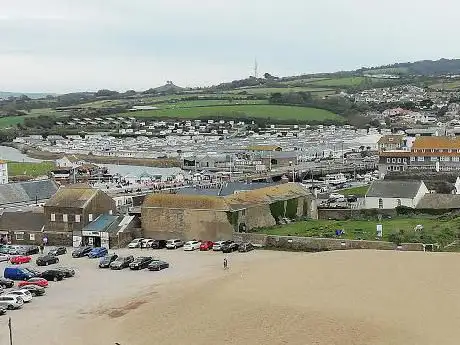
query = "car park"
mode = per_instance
[
  {"x": 4, "y": 257},
  {"x": 107, "y": 260},
  {"x": 147, "y": 242},
  {"x": 121, "y": 262},
  {"x": 54, "y": 275},
  {"x": 57, "y": 251},
  {"x": 97, "y": 252},
  {"x": 46, "y": 260},
  {"x": 23, "y": 293},
  {"x": 158, "y": 244},
  {"x": 17, "y": 273},
  {"x": 206, "y": 245},
  {"x": 192, "y": 245},
  {"x": 11, "y": 301},
  {"x": 81, "y": 252},
  {"x": 140, "y": 263},
  {"x": 174, "y": 244},
  {"x": 245, "y": 247},
  {"x": 217, "y": 246},
  {"x": 158, "y": 265},
  {"x": 68, "y": 272},
  {"x": 35, "y": 290},
  {"x": 37, "y": 281},
  {"x": 6, "y": 283},
  {"x": 136, "y": 243},
  {"x": 229, "y": 246},
  {"x": 20, "y": 259}
]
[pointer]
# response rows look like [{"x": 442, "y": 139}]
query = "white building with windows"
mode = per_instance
[
  {"x": 3, "y": 172},
  {"x": 386, "y": 194}
]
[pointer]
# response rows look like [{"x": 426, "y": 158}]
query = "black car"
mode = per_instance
[
  {"x": 121, "y": 262},
  {"x": 245, "y": 247},
  {"x": 107, "y": 260},
  {"x": 33, "y": 271},
  {"x": 158, "y": 265},
  {"x": 68, "y": 272},
  {"x": 6, "y": 283},
  {"x": 2, "y": 310},
  {"x": 46, "y": 260},
  {"x": 140, "y": 262},
  {"x": 58, "y": 251},
  {"x": 52, "y": 275},
  {"x": 28, "y": 250},
  {"x": 229, "y": 246},
  {"x": 81, "y": 252},
  {"x": 159, "y": 244},
  {"x": 34, "y": 290}
]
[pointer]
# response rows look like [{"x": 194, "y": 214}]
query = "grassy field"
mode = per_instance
[
  {"x": 29, "y": 169},
  {"x": 357, "y": 191},
  {"x": 435, "y": 230},
  {"x": 264, "y": 111},
  {"x": 270, "y": 90},
  {"x": 346, "y": 81},
  {"x": 12, "y": 121},
  {"x": 211, "y": 102},
  {"x": 447, "y": 85}
]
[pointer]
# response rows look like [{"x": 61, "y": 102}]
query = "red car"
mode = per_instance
[
  {"x": 34, "y": 281},
  {"x": 206, "y": 245},
  {"x": 20, "y": 259}
]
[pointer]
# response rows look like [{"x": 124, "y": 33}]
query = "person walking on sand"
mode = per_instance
[{"x": 225, "y": 263}]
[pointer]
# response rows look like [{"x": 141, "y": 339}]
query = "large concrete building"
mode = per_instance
[{"x": 210, "y": 217}]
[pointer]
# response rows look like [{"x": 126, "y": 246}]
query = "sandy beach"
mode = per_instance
[{"x": 346, "y": 297}]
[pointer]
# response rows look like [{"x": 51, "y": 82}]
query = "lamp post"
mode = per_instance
[{"x": 11, "y": 332}]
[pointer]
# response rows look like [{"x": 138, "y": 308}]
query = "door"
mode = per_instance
[
  {"x": 76, "y": 241},
  {"x": 105, "y": 240}
]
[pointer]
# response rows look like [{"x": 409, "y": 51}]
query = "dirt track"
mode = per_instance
[{"x": 347, "y": 297}]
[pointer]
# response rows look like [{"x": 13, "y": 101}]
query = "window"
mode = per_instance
[
  {"x": 19, "y": 236},
  {"x": 243, "y": 213},
  {"x": 398, "y": 202},
  {"x": 389, "y": 168},
  {"x": 445, "y": 159},
  {"x": 65, "y": 218},
  {"x": 32, "y": 237},
  {"x": 388, "y": 160},
  {"x": 456, "y": 159},
  {"x": 440, "y": 150},
  {"x": 399, "y": 160},
  {"x": 421, "y": 159},
  {"x": 53, "y": 217},
  {"x": 432, "y": 150},
  {"x": 77, "y": 218},
  {"x": 450, "y": 150},
  {"x": 412, "y": 159},
  {"x": 458, "y": 150},
  {"x": 404, "y": 160},
  {"x": 393, "y": 160},
  {"x": 90, "y": 217},
  {"x": 434, "y": 159},
  {"x": 380, "y": 203},
  {"x": 110, "y": 212}
]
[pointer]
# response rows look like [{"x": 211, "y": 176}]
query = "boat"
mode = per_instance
[{"x": 335, "y": 179}]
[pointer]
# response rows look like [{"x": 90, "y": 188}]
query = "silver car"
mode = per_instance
[
  {"x": 11, "y": 301},
  {"x": 4, "y": 257}
]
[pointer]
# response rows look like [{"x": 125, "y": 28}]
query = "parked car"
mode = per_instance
[
  {"x": 4, "y": 257},
  {"x": 245, "y": 247},
  {"x": 107, "y": 260},
  {"x": 20, "y": 259},
  {"x": 217, "y": 246},
  {"x": 54, "y": 275},
  {"x": 68, "y": 272},
  {"x": 5, "y": 249},
  {"x": 98, "y": 252},
  {"x": 352, "y": 198},
  {"x": 14, "y": 250},
  {"x": 17, "y": 273},
  {"x": 121, "y": 262},
  {"x": 174, "y": 244},
  {"x": 11, "y": 301},
  {"x": 23, "y": 293},
  {"x": 81, "y": 252},
  {"x": 28, "y": 250},
  {"x": 57, "y": 251},
  {"x": 46, "y": 260},
  {"x": 192, "y": 245},
  {"x": 35, "y": 290},
  {"x": 6, "y": 283},
  {"x": 229, "y": 246},
  {"x": 158, "y": 244},
  {"x": 33, "y": 271},
  {"x": 34, "y": 281},
  {"x": 136, "y": 243},
  {"x": 158, "y": 265},
  {"x": 2, "y": 310},
  {"x": 206, "y": 245},
  {"x": 140, "y": 262},
  {"x": 147, "y": 242}
]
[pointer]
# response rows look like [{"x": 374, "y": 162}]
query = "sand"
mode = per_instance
[{"x": 345, "y": 297}]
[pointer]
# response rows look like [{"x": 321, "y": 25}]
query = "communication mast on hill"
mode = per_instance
[{"x": 256, "y": 69}]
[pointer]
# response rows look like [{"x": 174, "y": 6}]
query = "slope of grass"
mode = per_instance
[
  {"x": 346, "y": 81},
  {"x": 270, "y": 90},
  {"x": 209, "y": 102},
  {"x": 29, "y": 169},
  {"x": 264, "y": 111},
  {"x": 357, "y": 191}
]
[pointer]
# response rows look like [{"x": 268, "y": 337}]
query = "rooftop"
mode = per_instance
[
  {"x": 436, "y": 143},
  {"x": 75, "y": 196},
  {"x": 394, "y": 189}
]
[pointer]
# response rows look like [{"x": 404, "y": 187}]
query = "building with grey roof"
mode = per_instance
[
  {"x": 385, "y": 194},
  {"x": 27, "y": 192}
]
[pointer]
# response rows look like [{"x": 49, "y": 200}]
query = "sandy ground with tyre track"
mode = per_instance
[{"x": 346, "y": 297}]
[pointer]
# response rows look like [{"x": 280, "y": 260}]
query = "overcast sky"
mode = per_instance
[{"x": 75, "y": 45}]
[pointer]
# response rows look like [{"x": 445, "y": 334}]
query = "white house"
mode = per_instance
[
  {"x": 386, "y": 194},
  {"x": 3, "y": 172}
]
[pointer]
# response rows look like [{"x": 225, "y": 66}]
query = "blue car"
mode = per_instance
[{"x": 98, "y": 252}]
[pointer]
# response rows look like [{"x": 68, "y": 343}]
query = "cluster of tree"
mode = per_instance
[{"x": 42, "y": 121}]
